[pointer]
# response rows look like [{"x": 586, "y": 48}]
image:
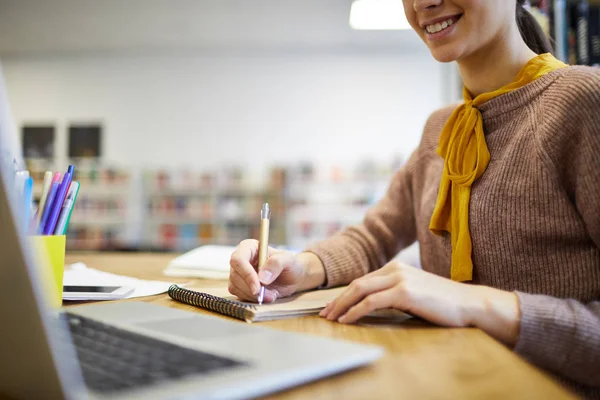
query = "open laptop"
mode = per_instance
[{"x": 136, "y": 350}]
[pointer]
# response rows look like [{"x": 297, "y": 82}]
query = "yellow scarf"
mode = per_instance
[{"x": 466, "y": 156}]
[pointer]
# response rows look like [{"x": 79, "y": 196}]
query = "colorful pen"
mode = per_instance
[
  {"x": 67, "y": 209},
  {"x": 57, "y": 204},
  {"x": 263, "y": 244},
  {"x": 72, "y": 207},
  {"x": 46, "y": 211},
  {"x": 27, "y": 195},
  {"x": 45, "y": 190},
  {"x": 55, "y": 178}
]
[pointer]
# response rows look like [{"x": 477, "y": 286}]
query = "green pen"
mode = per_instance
[{"x": 63, "y": 223}]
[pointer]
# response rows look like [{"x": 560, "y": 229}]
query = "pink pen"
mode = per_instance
[{"x": 56, "y": 177}]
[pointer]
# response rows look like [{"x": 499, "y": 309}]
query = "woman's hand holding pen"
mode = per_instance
[
  {"x": 431, "y": 297},
  {"x": 283, "y": 274},
  {"x": 396, "y": 285}
]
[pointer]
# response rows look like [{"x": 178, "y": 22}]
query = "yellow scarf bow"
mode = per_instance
[{"x": 462, "y": 146}]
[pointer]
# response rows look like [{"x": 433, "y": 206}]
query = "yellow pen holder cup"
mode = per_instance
[{"x": 50, "y": 259}]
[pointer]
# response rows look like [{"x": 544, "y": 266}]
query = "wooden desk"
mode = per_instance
[{"x": 421, "y": 361}]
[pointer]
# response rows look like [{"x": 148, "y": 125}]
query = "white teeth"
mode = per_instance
[{"x": 439, "y": 26}]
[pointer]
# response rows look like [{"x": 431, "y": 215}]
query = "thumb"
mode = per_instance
[{"x": 273, "y": 267}]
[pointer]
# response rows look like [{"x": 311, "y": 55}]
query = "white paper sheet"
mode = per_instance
[
  {"x": 81, "y": 275},
  {"x": 208, "y": 262}
]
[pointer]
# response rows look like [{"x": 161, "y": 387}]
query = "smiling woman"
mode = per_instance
[{"x": 501, "y": 194}]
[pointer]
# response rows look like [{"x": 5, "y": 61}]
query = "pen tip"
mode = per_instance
[{"x": 261, "y": 295}]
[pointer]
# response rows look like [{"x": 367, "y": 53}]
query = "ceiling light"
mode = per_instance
[{"x": 378, "y": 15}]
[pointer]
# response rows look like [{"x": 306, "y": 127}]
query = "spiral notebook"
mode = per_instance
[
  {"x": 301, "y": 304},
  {"x": 221, "y": 301}
]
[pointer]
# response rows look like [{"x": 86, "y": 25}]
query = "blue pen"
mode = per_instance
[
  {"x": 27, "y": 193},
  {"x": 61, "y": 193},
  {"x": 20, "y": 178},
  {"x": 71, "y": 170},
  {"x": 46, "y": 211}
]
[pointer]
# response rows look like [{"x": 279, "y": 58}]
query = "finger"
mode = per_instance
[
  {"x": 248, "y": 250},
  {"x": 383, "y": 271},
  {"x": 240, "y": 284},
  {"x": 241, "y": 262},
  {"x": 375, "y": 301},
  {"x": 274, "y": 265},
  {"x": 356, "y": 291},
  {"x": 270, "y": 295},
  {"x": 238, "y": 293},
  {"x": 323, "y": 312}
]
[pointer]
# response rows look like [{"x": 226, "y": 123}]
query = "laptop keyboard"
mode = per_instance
[{"x": 114, "y": 359}]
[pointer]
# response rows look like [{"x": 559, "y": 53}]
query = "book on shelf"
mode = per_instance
[
  {"x": 576, "y": 31},
  {"x": 560, "y": 24},
  {"x": 582, "y": 29},
  {"x": 594, "y": 34}
]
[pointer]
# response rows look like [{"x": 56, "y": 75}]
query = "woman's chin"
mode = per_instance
[{"x": 445, "y": 55}]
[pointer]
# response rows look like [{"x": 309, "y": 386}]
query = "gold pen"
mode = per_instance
[{"x": 263, "y": 244}]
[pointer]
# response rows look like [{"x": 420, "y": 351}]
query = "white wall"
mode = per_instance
[{"x": 204, "y": 111}]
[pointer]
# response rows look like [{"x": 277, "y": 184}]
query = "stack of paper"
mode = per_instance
[
  {"x": 81, "y": 275},
  {"x": 210, "y": 262}
]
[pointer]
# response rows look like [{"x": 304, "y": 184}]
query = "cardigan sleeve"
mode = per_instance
[
  {"x": 563, "y": 335},
  {"x": 388, "y": 227}
]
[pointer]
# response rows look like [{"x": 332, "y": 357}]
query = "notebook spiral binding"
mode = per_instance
[{"x": 207, "y": 301}]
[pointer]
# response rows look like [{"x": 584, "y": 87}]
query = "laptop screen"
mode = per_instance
[{"x": 10, "y": 151}]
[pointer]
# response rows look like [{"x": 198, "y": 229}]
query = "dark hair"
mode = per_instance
[{"x": 531, "y": 31}]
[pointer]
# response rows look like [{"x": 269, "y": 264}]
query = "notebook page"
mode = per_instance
[
  {"x": 301, "y": 304},
  {"x": 298, "y": 304}
]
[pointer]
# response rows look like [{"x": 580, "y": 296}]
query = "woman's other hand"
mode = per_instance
[{"x": 431, "y": 297}]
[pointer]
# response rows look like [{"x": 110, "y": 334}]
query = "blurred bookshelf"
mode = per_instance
[
  {"x": 99, "y": 219},
  {"x": 180, "y": 209},
  {"x": 322, "y": 203},
  {"x": 185, "y": 209},
  {"x": 574, "y": 28}
]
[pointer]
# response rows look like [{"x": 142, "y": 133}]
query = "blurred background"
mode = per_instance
[{"x": 183, "y": 116}]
